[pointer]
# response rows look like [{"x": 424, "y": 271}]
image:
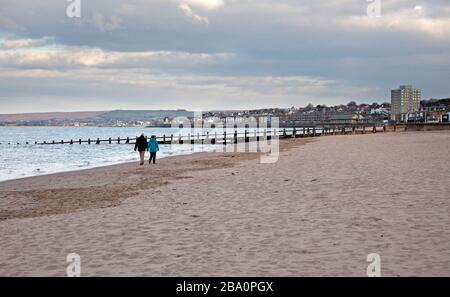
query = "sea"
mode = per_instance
[{"x": 19, "y": 160}]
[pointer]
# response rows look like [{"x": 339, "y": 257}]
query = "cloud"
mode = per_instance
[
  {"x": 23, "y": 43},
  {"x": 187, "y": 10},
  {"x": 104, "y": 24},
  {"x": 414, "y": 19},
  {"x": 220, "y": 53},
  {"x": 145, "y": 88},
  {"x": 25, "y": 53},
  {"x": 7, "y": 23},
  {"x": 205, "y": 4}
]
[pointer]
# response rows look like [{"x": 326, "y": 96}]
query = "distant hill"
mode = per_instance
[
  {"x": 115, "y": 115},
  {"x": 445, "y": 101},
  {"x": 142, "y": 115},
  {"x": 432, "y": 101},
  {"x": 50, "y": 116}
]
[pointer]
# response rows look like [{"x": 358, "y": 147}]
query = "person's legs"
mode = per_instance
[
  {"x": 142, "y": 155},
  {"x": 152, "y": 157}
]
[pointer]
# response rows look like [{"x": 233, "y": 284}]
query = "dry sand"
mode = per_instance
[{"x": 320, "y": 210}]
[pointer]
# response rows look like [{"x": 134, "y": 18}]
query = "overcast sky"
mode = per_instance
[{"x": 218, "y": 54}]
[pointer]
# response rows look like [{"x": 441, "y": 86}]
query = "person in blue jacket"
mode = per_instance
[{"x": 153, "y": 147}]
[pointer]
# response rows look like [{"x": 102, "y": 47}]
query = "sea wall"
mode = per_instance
[{"x": 427, "y": 126}]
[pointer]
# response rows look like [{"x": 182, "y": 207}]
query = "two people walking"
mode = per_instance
[{"x": 142, "y": 145}]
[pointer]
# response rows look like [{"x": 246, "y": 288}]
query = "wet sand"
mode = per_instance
[{"x": 320, "y": 210}]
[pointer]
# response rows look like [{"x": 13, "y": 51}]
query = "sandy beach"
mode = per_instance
[{"x": 319, "y": 211}]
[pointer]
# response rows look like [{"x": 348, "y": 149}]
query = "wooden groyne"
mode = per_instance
[{"x": 225, "y": 137}]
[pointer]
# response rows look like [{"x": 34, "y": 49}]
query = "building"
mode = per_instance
[
  {"x": 433, "y": 112},
  {"x": 325, "y": 118},
  {"x": 308, "y": 117},
  {"x": 446, "y": 118},
  {"x": 347, "y": 118},
  {"x": 404, "y": 101}
]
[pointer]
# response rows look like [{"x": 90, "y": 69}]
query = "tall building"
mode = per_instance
[{"x": 404, "y": 101}]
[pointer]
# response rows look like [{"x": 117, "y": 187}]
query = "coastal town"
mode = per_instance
[
  {"x": 224, "y": 147},
  {"x": 405, "y": 106}
]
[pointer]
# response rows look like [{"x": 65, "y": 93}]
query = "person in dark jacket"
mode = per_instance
[
  {"x": 141, "y": 146},
  {"x": 153, "y": 147}
]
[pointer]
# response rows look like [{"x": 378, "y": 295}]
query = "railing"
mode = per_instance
[{"x": 225, "y": 137}]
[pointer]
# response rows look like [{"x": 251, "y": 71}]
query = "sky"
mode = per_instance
[{"x": 218, "y": 54}]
